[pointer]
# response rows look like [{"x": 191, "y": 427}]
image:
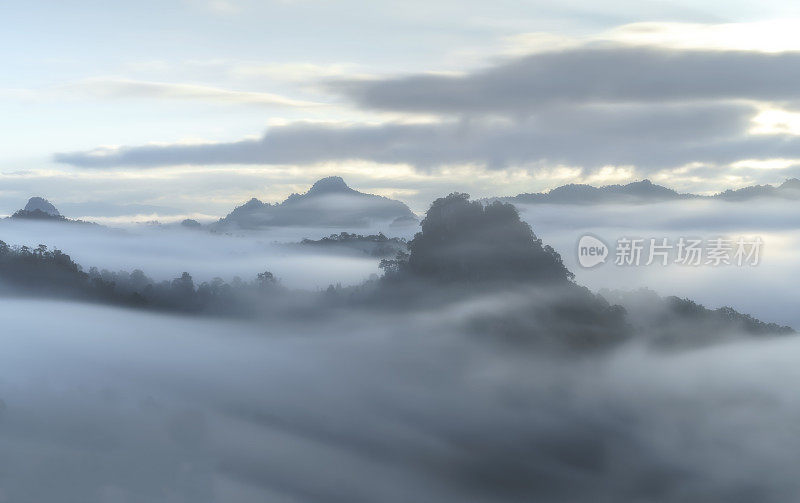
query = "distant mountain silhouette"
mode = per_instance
[
  {"x": 328, "y": 203},
  {"x": 191, "y": 223},
  {"x": 329, "y": 185},
  {"x": 790, "y": 189},
  {"x": 645, "y": 191},
  {"x": 43, "y": 205},
  {"x": 39, "y": 208}
]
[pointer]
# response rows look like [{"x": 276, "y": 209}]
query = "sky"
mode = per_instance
[{"x": 192, "y": 107}]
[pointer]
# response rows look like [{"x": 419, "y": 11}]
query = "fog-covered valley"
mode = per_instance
[
  {"x": 106, "y": 404},
  {"x": 767, "y": 290},
  {"x": 462, "y": 359},
  {"x": 165, "y": 251}
]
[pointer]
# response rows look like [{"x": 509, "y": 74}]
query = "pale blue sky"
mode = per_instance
[{"x": 78, "y": 76}]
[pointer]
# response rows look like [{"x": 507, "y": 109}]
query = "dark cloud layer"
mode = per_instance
[
  {"x": 648, "y": 136},
  {"x": 609, "y": 74}
]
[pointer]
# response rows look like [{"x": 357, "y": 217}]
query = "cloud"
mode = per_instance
[
  {"x": 125, "y": 88},
  {"x": 587, "y": 74},
  {"x": 223, "y": 6},
  {"x": 591, "y": 106},
  {"x": 297, "y": 71},
  {"x": 772, "y": 35},
  {"x": 647, "y": 136}
]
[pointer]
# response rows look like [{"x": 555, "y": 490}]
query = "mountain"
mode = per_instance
[
  {"x": 645, "y": 191},
  {"x": 665, "y": 320},
  {"x": 330, "y": 202},
  {"x": 470, "y": 248},
  {"x": 39, "y": 208},
  {"x": 43, "y": 205},
  {"x": 191, "y": 223},
  {"x": 790, "y": 189}
]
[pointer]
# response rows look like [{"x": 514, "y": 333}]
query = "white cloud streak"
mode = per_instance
[{"x": 116, "y": 88}]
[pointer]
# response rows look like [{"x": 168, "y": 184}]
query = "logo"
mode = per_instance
[{"x": 591, "y": 251}]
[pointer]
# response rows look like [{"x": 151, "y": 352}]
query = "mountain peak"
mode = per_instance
[
  {"x": 329, "y": 202},
  {"x": 790, "y": 183},
  {"x": 645, "y": 188},
  {"x": 43, "y": 205},
  {"x": 330, "y": 185}
]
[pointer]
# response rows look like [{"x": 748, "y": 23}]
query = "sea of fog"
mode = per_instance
[
  {"x": 767, "y": 291},
  {"x": 164, "y": 252},
  {"x": 101, "y": 404},
  {"x": 106, "y": 405}
]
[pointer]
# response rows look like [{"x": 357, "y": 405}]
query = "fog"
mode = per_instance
[
  {"x": 103, "y": 404},
  {"x": 165, "y": 251},
  {"x": 474, "y": 369}
]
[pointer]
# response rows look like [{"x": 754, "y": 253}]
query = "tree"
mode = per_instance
[
  {"x": 396, "y": 266},
  {"x": 266, "y": 280},
  {"x": 184, "y": 285}
]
